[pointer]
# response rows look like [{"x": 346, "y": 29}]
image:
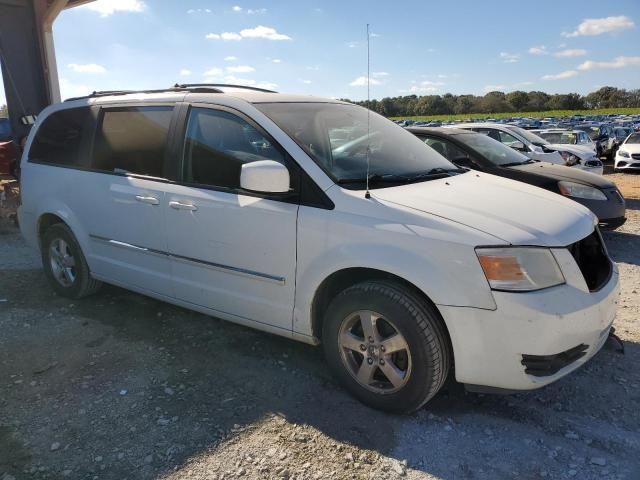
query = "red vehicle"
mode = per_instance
[{"x": 8, "y": 149}]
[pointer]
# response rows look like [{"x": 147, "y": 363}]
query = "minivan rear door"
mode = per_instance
[
  {"x": 125, "y": 206},
  {"x": 232, "y": 251}
]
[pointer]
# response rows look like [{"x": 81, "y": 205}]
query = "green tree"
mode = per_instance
[
  {"x": 4, "y": 112},
  {"x": 518, "y": 100},
  {"x": 494, "y": 102}
]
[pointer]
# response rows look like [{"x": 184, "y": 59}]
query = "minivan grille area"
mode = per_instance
[
  {"x": 547, "y": 365},
  {"x": 593, "y": 261}
]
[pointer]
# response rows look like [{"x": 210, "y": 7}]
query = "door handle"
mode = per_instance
[
  {"x": 183, "y": 206},
  {"x": 147, "y": 200}
]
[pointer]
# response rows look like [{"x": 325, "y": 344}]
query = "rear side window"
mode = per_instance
[
  {"x": 133, "y": 140},
  {"x": 218, "y": 143},
  {"x": 61, "y": 138}
]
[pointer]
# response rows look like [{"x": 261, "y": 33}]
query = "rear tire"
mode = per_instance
[
  {"x": 65, "y": 265},
  {"x": 401, "y": 361}
]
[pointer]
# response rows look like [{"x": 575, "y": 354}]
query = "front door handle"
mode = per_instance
[
  {"x": 183, "y": 206},
  {"x": 147, "y": 200}
]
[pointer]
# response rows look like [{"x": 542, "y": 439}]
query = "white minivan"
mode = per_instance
[{"x": 253, "y": 207}]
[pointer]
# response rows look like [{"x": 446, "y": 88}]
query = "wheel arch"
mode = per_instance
[{"x": 345, "y": 278}]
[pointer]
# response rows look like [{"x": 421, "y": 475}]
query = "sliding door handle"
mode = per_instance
[
  {"x": 183, "y": 206},
  {"x": 147, "y": 200}
]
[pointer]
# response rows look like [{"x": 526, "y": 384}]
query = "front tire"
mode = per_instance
[
  {"x": 65, "y": 265},
  {"x": 387, "y": 346}
]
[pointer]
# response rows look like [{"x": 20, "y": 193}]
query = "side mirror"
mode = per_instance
[
  {"x": 464, "y": 162},
  {"x": 519, "y": 146},
  {"x": 264, "y": 176}
]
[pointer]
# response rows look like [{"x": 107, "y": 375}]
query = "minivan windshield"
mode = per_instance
[{"x": 338, "y": 138}]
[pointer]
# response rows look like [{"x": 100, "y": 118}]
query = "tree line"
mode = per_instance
[{"x": 500, "y": 102}]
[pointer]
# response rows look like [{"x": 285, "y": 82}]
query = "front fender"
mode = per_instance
[{"x": 447, "y": 271}]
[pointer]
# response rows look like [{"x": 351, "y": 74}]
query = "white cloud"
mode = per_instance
[
  {"x": 561, "y": 75},
  {"x": 419, "y": 89},
  {"x": 375, "y": 35},
  {"x": 380, "y": 74},
  {"x": 362, "y": 82},
  {"x": 494, "y": 88},
  {"x": 598, "y": 26},
  {"x": 87, "y": 68},
  {"x": 191, "y": 11},
  {"x": 237, "y": 9},
  {"x": 109, "y": 7},
  {"x": 307, "y": 82},
  {"x": 353, "y": 44},
  {"x": 276, "y": 60},
  {"x": 540, "y": 50},
  {"x": 260, "y": 31},
  {"x": 249, "y": 82},
  {"x": 213, "y": 72},
  {"x": 231, "y": 58},
  {"x": 185, "y": 72},
  {"x": 257, "y": 11},
  {"x": 263, "y": 32},
  {"x": 69, "y": 89},
  {"x": 241, "y": 69},
  {"x": 426, "y": 86},
  {"x": 618, "y": 62},
  {"x": 229, "y": 36},
  {"x": 571, "y": 52},
  {"x": 509, "y": 57}
]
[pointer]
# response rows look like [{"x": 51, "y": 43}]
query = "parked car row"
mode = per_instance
[
  {"x": 483, "y": 153},
  {"x": 538, "y": 148},
  {"x": 607, "y": 132},
  {"x": 324, "y": 222}
]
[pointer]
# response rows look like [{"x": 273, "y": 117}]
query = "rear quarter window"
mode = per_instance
[{"x": 63, "y": 137}]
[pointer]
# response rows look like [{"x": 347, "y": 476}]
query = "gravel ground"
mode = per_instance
[{"x": 121, "y": 386}]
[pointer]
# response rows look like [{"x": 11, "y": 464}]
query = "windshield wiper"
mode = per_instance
[{"x": 376, "y": 178}]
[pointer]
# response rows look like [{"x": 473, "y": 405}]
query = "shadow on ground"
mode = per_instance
[{"x": 120, "y": 383}]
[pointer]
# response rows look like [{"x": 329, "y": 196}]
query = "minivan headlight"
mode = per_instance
[
  {"x": 520, "y": 269},
  {"x": 578, "y": 190}
]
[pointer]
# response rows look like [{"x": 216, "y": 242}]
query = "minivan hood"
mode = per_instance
[
  {"x": 515, "y": 212},
  {"x": 560, "y": 172}
]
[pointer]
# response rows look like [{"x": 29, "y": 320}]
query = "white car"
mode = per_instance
[
  {"x": 236, "y": 203},
  {"x": 575, "y": 146},
  {"x": 628, "y": 155},
  {"x": 538, "y": 148}
]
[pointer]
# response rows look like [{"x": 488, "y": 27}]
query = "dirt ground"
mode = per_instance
[{"x": 121, "y": 386}]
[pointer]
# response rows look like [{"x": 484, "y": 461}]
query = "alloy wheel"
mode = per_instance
[{"x": 374, "y": 352}]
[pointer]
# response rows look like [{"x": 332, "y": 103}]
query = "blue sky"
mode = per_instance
[{"x": 319, "y": 48}]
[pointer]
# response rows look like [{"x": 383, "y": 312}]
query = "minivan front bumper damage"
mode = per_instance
[{"x": 532, "y": 339}]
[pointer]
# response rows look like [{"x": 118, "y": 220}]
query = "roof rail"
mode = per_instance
[
  {"x": 178, "y": 87},
  {"x": 109, "y": 93},
  {"x": 221, "y": 85}
]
